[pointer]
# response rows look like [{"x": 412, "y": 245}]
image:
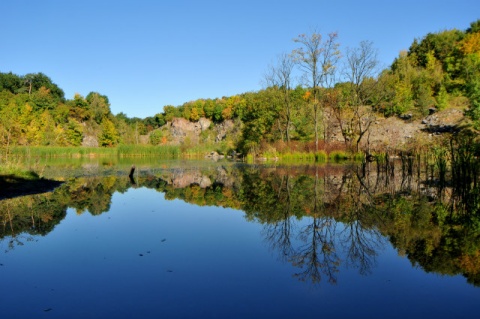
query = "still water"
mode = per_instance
[{"x": 222, "y": 240}]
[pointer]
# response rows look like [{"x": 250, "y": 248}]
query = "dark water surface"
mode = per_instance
[{"x": 227, "y": 241}]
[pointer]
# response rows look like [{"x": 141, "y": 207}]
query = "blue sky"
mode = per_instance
[{"x": 145, "y": 54}]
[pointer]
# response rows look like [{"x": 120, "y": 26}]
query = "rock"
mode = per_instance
[
  {"x": 90, "y": 141},
  {"x": 204, "y": 123},
  {"x": 222, "y": 129}
]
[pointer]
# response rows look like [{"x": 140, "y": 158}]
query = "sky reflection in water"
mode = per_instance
[{"x": 151, "y": 257}]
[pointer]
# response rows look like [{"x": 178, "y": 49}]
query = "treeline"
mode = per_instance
[
  {"x": 34, "y": 111},
  {"x": 340, "y": 91}
]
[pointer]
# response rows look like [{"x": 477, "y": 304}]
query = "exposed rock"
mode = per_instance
[
  {"x": 204, "y": 123},
  {"x": 406, "y": 116},
  {"x": 443, "y": 122},
  {"x": 222, "y": 129},
  {"x": 214, "y": 155},
  {"x": 180, "y": 128},
  {"x": 90, "y": 141}
]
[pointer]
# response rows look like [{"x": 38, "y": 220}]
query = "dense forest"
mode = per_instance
[{"x": 307, "y": 92}]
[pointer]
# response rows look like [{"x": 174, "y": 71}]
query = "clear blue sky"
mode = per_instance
[{"x": 144, "y": 54}]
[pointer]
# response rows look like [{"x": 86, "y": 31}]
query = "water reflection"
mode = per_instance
[{"x": 347, "y": 213}]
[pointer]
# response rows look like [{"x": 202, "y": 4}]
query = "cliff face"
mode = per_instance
[
  {"x": 402, "y": 132},
  {"x": 180, "y": 130},
  {"x": 384, "y": 134}
]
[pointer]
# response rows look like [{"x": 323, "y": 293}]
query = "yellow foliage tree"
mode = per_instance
[{"x": 471, "y": 44}]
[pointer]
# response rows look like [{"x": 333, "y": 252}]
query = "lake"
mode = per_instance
[{"x": 201, "y": 239}]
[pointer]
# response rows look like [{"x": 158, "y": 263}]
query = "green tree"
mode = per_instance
[
  {"x": 10, "y": 82},
  {"x": 98, "y": 105},
  {"x": 109, "y": 136},
  {"x": 74, "y": 133}
]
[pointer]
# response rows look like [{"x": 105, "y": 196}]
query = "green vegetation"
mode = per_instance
[
  {"x": 285, "y": 119},
  {"x": 10, "y": 169},
  {"x": 167, "y": 151}
]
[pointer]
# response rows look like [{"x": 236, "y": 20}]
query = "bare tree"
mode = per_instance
[
  {"x": 360, "y": 72},
  {"x": 318, "y": 60},
  {"x": 280, "y": 77}
]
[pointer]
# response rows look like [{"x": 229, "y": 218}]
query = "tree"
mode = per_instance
[
  {"x": 318, "y": 61},
  {"x": 360, "y": 72},
  {"x": 280, "y": 77},
  {"x": 34, "y": 81},
  {"x": 10, "y": 82},
  {"x": 170, "y": 112},
  {"x": 99, "y": 106},
  {"x": 109, "y": 136},
  {"x": 259, "y": 117}
]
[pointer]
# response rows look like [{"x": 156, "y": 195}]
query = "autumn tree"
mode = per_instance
[
  {"x": 109, "y": 135},
  {"x": 317, "y": 58}
]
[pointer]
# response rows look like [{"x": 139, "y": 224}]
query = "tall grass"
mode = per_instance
[
  {"x": 321, "y": 157},
  {"x": 338, "y": 156},
  {"x": 164, "y": 151},
  {"x": 297, "y": 157},
  {"x": 200, "y": 150},
  {"x": 79, "y": 152}
]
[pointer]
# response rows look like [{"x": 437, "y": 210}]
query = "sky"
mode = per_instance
[{"x": 145, "y": 54}]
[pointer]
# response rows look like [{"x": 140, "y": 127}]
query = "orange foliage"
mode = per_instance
[
  {"x": 227, "y": 113},
  {"x": 471, "y": 263},
  {"x": 471, "y": 43},
  {"x": 307, "y": 95}
]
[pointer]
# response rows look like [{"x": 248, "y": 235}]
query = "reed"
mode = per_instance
[
  {"x": 338, "y": 156},
  {"x": 321, "y": 157},
  {"x": 79, "y": 152},
  {"x": 297, "y": 157},
  {"x": 163, "y": 151}
]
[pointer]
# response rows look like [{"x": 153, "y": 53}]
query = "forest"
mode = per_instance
[{"x": 306, "y": 94}]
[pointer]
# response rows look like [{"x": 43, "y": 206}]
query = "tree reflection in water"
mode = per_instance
[{"x": 318, "y": 218}]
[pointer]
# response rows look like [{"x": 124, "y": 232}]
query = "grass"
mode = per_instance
[
  {"x": 338, "y": 156},
  {"x": 307, "y": 157},
  {"x": 11, "y": 169},
  {"x": 165, "y": 151},
  {"x": 79, "y": 152}
]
